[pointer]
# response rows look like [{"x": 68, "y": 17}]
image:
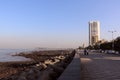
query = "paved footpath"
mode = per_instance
[
  {"x": 72, "y": 72},
  {"x": 100, "y": 66}
]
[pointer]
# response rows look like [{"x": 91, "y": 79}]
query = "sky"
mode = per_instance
[{"x": 55, "y": 23}]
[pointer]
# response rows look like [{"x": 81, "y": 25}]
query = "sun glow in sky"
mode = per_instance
[{"x": 55, "y": 23}]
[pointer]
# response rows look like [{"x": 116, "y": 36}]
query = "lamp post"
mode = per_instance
[{"x": 112, "y": 32}]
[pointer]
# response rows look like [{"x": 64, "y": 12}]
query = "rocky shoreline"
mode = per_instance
[{"x": 44, "y": 65}]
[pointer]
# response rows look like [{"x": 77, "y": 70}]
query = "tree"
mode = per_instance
[
  {"x": 117, "y": 44},
  {"x": 106, "y": 46}
]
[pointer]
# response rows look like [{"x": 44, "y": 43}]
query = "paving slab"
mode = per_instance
[{"x": 100, "y": 66}]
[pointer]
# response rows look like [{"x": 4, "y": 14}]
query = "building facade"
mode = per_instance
[{"x": 94, "y": 32}]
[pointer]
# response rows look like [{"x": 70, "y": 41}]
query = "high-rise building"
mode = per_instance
[{"x": 94, "y": 32}]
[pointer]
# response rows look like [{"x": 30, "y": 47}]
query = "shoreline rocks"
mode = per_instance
[{"x": 49, "y": 69}]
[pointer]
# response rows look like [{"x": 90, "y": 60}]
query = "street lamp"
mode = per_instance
[{"x": 112, "y": 38}]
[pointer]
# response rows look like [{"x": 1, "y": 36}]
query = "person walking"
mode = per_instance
[{"x": 85, "y": 51}]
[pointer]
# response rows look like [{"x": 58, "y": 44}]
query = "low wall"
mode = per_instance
[{"x": 73, "y": 71}]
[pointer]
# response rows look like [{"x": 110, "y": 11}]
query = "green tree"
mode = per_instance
[
  {"x": 106, "y": 46},
  {"x": 117, "y": 44}
]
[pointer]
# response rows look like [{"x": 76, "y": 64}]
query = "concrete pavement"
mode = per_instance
[{"x": 100, "y": 66}]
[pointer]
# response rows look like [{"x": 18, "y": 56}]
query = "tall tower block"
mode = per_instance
[{"x": 94, "y": 32}]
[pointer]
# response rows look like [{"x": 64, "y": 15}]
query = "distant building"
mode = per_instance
[
  {"x": 84, "y": 45},
  {"x": 94, "y": 32}
]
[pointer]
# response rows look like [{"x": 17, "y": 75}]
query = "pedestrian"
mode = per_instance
[{"x": 85, "y": 51}]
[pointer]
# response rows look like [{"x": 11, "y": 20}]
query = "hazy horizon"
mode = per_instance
[{"x": 55, "y": 23}]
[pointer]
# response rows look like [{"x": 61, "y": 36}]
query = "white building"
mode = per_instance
[{"x": 94, "y": 32}]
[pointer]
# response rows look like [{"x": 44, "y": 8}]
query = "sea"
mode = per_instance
[{"x": 6, "y": 55}]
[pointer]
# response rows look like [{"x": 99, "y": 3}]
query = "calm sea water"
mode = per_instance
[{"x": 6, "y": 55}]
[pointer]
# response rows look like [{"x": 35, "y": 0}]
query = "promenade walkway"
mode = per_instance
[
  {"x": 100, "y": 66},
  {"x": 72, "y": 72}
]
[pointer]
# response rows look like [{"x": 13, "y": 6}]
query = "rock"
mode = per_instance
[
  {"x": 57, "y": 69},
  {"x": 62, "y": 64},
  {"x": 33, "y": 74},
  {"x": 23, "y": 74},
  {"x": 22, "y": 78},
  {"x": 14, "y": 77},
  {"x": 44, "y": 65},
  {"x": 45, "y": 75}
]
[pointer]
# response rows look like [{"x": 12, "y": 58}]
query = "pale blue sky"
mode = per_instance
[{"x": 55, "y": 23}]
